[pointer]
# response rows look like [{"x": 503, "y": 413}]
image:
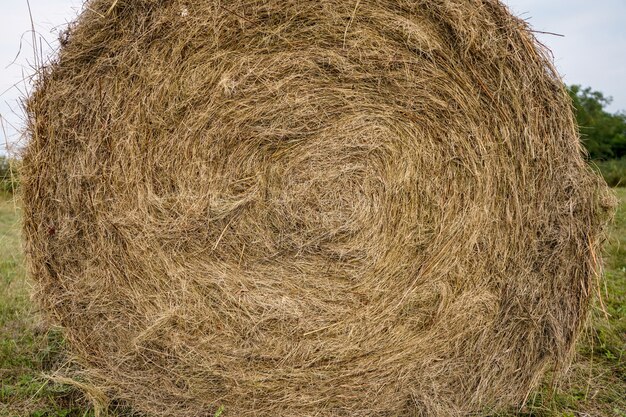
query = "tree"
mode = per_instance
[{"x": 603, "y": 133}]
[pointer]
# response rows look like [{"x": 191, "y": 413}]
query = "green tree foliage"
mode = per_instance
[{"x": 603, "y": 133}]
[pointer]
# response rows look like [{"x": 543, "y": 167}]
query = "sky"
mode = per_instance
[{"x": 591, "y": 50}]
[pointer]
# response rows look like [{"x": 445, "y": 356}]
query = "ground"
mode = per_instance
[{"x": 30, "y": 353}]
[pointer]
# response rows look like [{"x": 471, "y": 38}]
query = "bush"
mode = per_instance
[
  {"x": 8, "y": 174},
  {"x": 613, "y": 171}
]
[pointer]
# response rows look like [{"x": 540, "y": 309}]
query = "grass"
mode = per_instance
[
  {"x": 28, "y": 350},
  {"x": 596, "y": 385}
]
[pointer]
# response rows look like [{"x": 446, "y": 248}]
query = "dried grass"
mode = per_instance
[{"x": 298, "y": 208}]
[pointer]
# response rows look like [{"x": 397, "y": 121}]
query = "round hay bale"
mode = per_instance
[{"x": 298, "y": 208}]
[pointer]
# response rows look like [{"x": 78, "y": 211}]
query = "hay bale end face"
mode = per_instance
[{"x": 297, "y": 208}]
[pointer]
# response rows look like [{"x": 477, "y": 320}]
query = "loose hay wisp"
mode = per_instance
[{"x": 298, "y": 208}]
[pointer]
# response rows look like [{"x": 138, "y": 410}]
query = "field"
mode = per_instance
[{"x": 30, "y": 353}]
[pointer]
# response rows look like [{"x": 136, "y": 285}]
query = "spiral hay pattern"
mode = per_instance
[{"x": 297, "y": 208}]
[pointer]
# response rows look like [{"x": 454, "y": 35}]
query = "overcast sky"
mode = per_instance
[{"x": 592, "y": 51}]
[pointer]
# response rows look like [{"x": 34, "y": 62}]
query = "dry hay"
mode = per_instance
[{"x": 298, "y": 208}]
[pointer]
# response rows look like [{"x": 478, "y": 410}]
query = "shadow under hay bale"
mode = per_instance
[{"x": 297, "y": 208}]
